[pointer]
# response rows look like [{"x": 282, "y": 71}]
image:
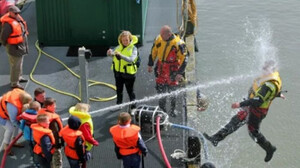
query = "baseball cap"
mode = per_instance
[{"x": 14, "y": 9}]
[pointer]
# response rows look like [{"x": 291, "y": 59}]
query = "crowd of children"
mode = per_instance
[{"x": 45, "y": 134}]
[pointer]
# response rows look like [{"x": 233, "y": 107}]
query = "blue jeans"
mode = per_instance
[
  {"x": 131, "y": 161},
  {"x": 74, "y": 163}
]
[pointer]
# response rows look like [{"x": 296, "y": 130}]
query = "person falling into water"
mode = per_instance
[{"x": 254, "y": 109}]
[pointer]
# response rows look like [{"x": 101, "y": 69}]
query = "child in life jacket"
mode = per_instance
[
  {"x": 44, "y": 141},
  {"x": 129, "y": 144},
  {"x": 55, "y": 125},
  {"x": 75, "y": 144},
  {"x": 28, "y": 117},
  {"x": 80, "y": 110}
]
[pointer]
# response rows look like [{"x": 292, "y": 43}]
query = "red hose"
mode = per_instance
[
  {"x": 8, "y": 149},
  {"x": 161, "y": 147}
]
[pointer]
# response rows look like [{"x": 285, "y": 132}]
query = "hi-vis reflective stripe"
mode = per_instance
[{"x": 262, "y": 80}]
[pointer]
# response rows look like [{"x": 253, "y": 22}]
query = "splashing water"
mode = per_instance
[
  {"x": 261, "y": 49},
  {"x": 251, "y": 51},
  {"x": 224, "y": 81},
  {"x": 179, "y": 91},
  {"x": 261, "y": 39}
]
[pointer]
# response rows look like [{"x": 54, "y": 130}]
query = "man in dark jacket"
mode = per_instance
[{"x": 14, "y": 37}]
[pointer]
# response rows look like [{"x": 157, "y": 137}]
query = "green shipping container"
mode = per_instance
[{"x": 89, "y": 22}]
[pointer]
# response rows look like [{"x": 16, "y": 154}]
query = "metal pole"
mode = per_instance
[{"x": 83, "y": 66}]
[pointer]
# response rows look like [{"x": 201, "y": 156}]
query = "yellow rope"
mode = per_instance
[
  {"x": 92, "y": 82},
  {"x": 189, "y": 13},
  {"x": 192, "y": 11}
]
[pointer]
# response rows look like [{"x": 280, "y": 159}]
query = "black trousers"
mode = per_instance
[
  {"x": 129, "y": 84},
  {"x": 254, "y": 121},
  {"x": 43, "y": 161},
  {"x": 163, "y": 88}
]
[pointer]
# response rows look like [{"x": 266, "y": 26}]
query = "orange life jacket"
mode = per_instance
[
  {"x": 126, "y": 138},
  {"x": 29, "y": 118},
  {"x": 17, "y": 35},
  {"x": 52, "y": 117},
  {"x": 12, "y": 97},
  {"x": 69, "y": 135},
  {"x": 38, "y": 132}
]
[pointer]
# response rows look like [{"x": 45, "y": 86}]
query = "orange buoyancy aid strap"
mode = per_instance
[{"x": 129, "y": 151}]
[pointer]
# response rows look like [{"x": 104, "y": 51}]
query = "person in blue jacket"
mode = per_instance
[{"x": 28, "y": 117}]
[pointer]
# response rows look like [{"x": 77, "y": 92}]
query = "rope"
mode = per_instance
[
  {"x": 193, "y": 15},
  {"x": 192, "y": 12},
  {"x": 184, "y": 8},
  {"x": 92, "y": 82},
  {"x": 189, "y": 13},
  {"x": 177, "y": 15}
]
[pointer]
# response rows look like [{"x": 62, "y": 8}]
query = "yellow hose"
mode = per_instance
[{"x": 92, "y": 82}]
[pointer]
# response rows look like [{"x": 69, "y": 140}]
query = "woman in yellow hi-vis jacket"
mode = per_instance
[{"x": 124, "y": 65}]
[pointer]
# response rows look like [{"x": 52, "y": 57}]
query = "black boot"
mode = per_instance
[
  {"x": 270, "y": 153},
  {"x": 212, "y": 139},
  {"x": 229, "y": 128},
  {"x": 268, "y": 147},
  {"x": 217, "y": 137}
]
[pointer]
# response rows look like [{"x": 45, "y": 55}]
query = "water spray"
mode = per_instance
[{"x": 179, "y": 91}]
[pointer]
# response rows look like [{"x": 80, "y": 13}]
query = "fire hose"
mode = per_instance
[
  {"x": 161, "y": 147},
  {"x": 201, "y": 137},
  {"x": 8, "y": 149}
]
